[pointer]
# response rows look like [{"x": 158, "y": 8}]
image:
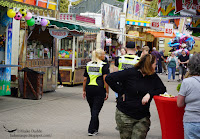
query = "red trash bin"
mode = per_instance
[{"x": 171, "y": 117}]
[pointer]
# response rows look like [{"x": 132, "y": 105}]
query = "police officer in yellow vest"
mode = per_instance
[
  {"x": 128, "y": 60},
  {"x": 95, "y": 89}
]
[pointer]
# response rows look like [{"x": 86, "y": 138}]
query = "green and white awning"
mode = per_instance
[{"x": 75, "y": 26}]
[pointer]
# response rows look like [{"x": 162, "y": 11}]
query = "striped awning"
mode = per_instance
[{"x": 138, "y": 23}]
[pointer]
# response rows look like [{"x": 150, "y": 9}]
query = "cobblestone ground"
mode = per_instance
[{"x": 63, "y": 114}]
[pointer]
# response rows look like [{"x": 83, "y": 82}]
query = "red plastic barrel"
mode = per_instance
[{"x": 171, "y": 117}]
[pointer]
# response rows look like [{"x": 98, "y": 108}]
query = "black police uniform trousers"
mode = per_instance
[{"x": 95, "y": 103}]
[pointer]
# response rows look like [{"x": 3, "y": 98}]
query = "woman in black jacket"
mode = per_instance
[{"x": 139, "y": 85}]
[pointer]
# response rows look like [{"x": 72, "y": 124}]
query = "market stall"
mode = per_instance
[
  {"x": 71, "y": 71},
  {"x": 39, "y": 52},
  {"x": 75, "y": 49}
]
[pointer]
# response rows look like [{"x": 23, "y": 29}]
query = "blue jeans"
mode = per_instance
[
  {"x": 191, "y": 130},
  {"x": 95, "y": 103},
  {"x": 171, "y": 72}
]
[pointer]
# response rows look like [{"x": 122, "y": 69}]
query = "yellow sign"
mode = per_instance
[
  {"x": 143, "y": 36},
  {"x": 133, "y": 33}
]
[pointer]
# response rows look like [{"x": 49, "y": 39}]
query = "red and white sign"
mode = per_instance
[
  {"x": 109, "y": 42},
  {"x": 169, "y": 29},
  {"x": 155, "y": 23},
  {"x": 59, "y": 34}
]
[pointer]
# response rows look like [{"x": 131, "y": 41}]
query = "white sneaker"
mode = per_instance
[
  {"x": 60, "y": 86},
  {"x": 93, "y": 134}
]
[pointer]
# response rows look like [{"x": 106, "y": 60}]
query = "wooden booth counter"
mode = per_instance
[{"x": 67, "y": 75}]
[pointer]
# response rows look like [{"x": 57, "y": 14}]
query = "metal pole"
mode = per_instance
[
  {"x": 47, "y": 3},
  {"x": 70, "y": 4},
  {"x": 77, "y": 46},
  {"x": 73, "y": 56}
]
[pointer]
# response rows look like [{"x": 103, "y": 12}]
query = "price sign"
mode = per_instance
[
  {"x": 155, "y": 23},
  {"x": 169, "y": 30}
]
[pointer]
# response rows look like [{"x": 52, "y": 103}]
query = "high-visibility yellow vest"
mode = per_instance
[
  {"x": 127, "y": 61},
  {"x": 94, "y": 71}
]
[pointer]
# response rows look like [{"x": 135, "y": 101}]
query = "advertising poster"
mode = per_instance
[
  {"x": 142, "y": 11},
  {"x": 110, "y": 16},
  {"x": 130, "y": 11},
  {"x": 182, "y": 8},
  {"x": 7, "y": 72},
  {"x": 136, "y": 10}
]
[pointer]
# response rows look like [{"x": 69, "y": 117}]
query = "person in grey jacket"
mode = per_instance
[{"x": 189, "y": 95}]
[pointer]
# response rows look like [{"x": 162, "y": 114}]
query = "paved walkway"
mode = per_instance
[{"x": 64, "y": 115}]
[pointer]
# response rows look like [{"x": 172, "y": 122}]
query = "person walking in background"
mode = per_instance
[
  {"x": 183, "y": 59},
  {"x": 189, "y": 95},
  {"x": 158, "y": 56},
  {"x": 145, "y": 50},
  {"x": 95, "y": 89},
  {"x": 123, "y": 51},
  {"x": 128, "y": 60},
  {"x": 172, "y": 65},
  {"x": 59, "y": 76},
  {"x": 139, "y": 52},
  {"x": 162, "y": 59},
  {"x": 139, "y": 85}
]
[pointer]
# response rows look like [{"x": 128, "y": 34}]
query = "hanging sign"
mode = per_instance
[
  {"x": 59, "y": 34},
  {"x": 133, "y": 33},
  {"x": 168, "y": 29},
  {"x": 155, "y": 23},
  {"x": 109, "y": 42}
]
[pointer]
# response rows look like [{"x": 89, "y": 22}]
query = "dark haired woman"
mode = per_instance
[
  {"x": 189, "y": 95},
  {"x": 139, "y": 85}
]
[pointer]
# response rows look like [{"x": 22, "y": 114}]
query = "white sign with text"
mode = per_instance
[
  {"x": 169, "y": 29},
  {"x": 155, "y": 23}
]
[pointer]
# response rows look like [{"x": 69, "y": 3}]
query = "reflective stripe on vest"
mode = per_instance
[
  {"x": 127, "y": 61},
  {"x": 94, "y": 71}
]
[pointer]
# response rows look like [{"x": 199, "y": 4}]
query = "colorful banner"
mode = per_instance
[
  {"x": 5, "y": 73},
  {"x": 182, "y": 8},
  {"x": 110, "y": 16},
  {"x": 136, "y": 10}
]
